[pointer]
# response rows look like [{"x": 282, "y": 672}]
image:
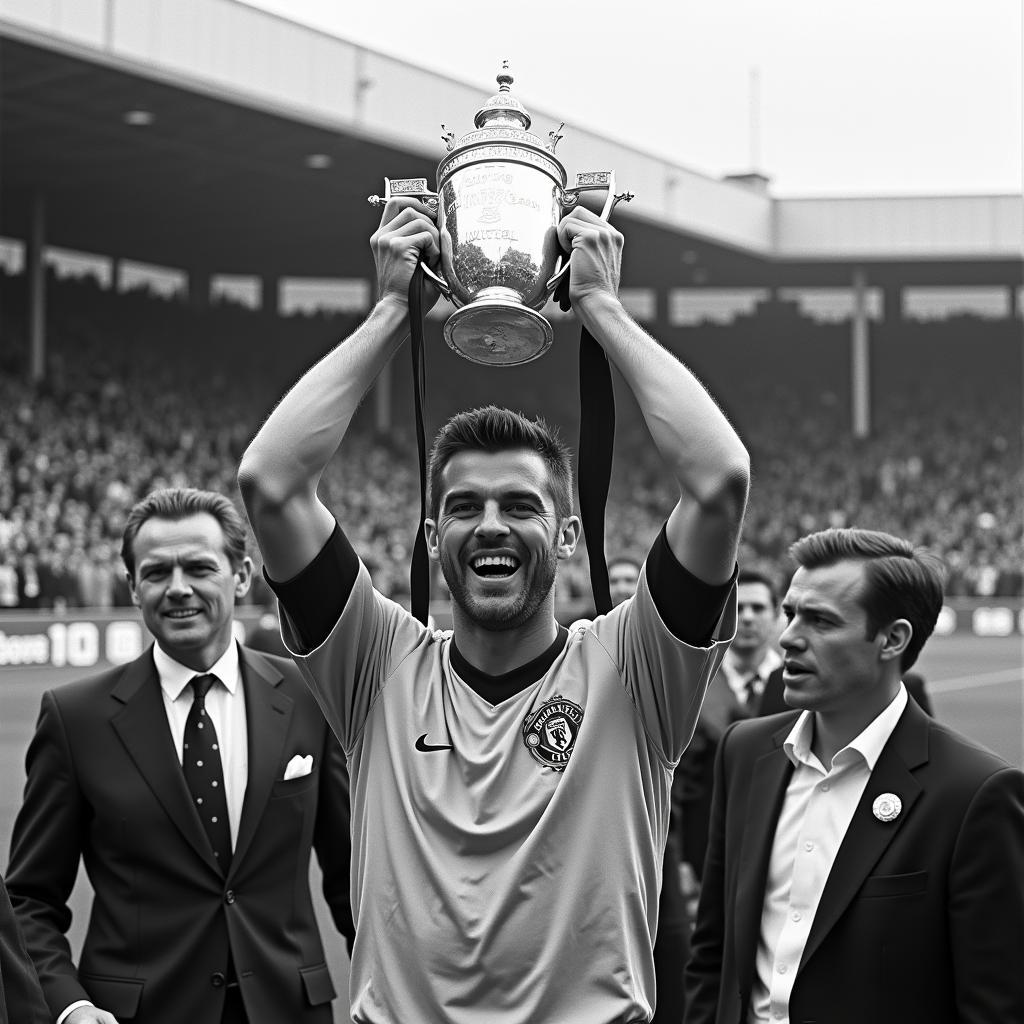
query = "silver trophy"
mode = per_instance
[{"x": 501, "y": 193}]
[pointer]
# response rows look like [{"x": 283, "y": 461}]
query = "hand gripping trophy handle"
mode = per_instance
[
  {"x": 588, "y": 181},
  {"x": 414, "y": 188}
]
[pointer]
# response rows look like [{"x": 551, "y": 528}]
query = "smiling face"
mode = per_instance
[
  {"x": 186, "y": 588},
  {"x": 832, "y": 663},
  {"x": 497, "y": 536}
]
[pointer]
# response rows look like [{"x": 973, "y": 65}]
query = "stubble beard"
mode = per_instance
[{"x": 499, "y": 617}]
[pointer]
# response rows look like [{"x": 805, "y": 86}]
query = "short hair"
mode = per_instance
[
  {"x": 180, "y": 503},
  {"x": 493, "y": 429},
  {"x": 902, "y": 582},
  {"x": 757, "y": 576},
  {"x": 630, "y": 560}
]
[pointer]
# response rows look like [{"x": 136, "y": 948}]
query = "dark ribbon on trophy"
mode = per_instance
[
  {"x": 597, "y": 440},
  {"x": 597, "y": 437},
  {"x": 419, "y": 571}
]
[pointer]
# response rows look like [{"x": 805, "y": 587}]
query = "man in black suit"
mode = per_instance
[
  {"x": 864, "y": 861},
  {"x": 193, "y": 783},
  {"x": 21, "y": 998},
  {"x": 748, "y": 684},
  {"x": 735, "y": 693}
]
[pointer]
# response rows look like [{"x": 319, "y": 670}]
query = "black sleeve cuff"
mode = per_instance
[
  {"x": 689, "y": 607},
  {"x": 315, "y": 598}
]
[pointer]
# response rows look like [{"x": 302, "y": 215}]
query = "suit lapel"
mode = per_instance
[
  {"x": 141, "y": 723},
  {"x": 268, "y": 714},
  {"x": 866, "y": 837},
  {"x": 771, "y": 775}
]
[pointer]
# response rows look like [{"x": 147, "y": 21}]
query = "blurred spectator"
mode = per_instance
[
  {"x": 623, "y": 574},
  {"x": 29, "y": 586},
  {"x": 8, "y": 582}
]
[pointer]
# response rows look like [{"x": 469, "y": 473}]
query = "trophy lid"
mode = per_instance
[
  {"x": 502, "y": 122},
  {"x": 502, "y": 109}
]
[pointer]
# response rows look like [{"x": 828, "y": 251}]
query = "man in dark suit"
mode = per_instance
[
  {"x": 193, "y": 783},
  {"x": 864, "y": 861},
  {"x": 735, "y": 693},
  {"x": 21, "y": 998}
]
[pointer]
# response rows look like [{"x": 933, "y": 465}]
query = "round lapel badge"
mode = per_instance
[
  {"x": 887, "y": 807},
  {"x": 550, "y": 732}
]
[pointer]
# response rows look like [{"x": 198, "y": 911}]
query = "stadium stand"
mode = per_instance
[{"x": 142, "y": 392}]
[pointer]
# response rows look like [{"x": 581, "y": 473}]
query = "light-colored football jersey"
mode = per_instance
[{"x": 506, "y": 860}]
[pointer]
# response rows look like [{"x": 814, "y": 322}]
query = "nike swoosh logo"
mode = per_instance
[{"x": 422, "y": 744}]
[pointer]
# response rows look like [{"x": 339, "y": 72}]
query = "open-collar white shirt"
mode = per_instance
[{"x": 816, "y": 812}]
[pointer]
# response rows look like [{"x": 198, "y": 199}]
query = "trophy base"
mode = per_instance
[{"x": 498, "y": 332}]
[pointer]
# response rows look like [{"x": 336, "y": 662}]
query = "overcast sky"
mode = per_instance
[{"x": 873, "y": 97}]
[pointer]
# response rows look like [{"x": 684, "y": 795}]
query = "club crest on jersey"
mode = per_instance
[{"x": 550, "y": 732}]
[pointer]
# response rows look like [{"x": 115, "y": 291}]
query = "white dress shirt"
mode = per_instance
[
  {"x": 225, "y": 704},
  {"x": 815, "y": 815},
  {"x": 738, "y": 679}
]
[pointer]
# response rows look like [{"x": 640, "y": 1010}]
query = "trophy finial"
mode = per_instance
[
  {"x": 503, "y": 109},
  {"x": 505, "y": 80}
]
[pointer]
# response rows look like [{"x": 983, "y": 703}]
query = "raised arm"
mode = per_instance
[
  {"x": 693, "y": 437},
  {"x": 281, "y": 468}
]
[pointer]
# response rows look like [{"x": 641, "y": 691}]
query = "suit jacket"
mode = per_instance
[
  {"x": 694, "y": 777},
  {"x": 21, "y": 998},
  {"x": 922, "y": 917},
  {"x": 772, "y": 701},
  {"x": 105, "y": 784}
]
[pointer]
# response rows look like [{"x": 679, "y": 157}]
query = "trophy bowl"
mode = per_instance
[{"x": 501, "y": 193}]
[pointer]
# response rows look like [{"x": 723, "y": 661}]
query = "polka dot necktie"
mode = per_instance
[{"x": 204, "y": 775}]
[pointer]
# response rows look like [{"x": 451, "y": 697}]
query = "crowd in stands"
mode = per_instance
[{"x": 142, "y": 392}]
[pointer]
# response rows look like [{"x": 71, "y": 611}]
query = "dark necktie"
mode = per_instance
[
  {"x": 204, "y": 775},
  {"x": 750, "y": 691}
]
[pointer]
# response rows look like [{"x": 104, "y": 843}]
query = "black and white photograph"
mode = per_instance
[{"x": 511, "y": 514}]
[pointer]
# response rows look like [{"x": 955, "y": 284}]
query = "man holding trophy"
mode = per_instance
[{"x": 510, "y": 779}]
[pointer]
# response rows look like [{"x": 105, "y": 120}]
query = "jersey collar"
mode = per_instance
[{"x": 495, "y": 689}]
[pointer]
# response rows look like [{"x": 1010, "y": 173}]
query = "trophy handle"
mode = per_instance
[
  {"x": 417, "y": 189},
  {"x": 588, "y": 181}
]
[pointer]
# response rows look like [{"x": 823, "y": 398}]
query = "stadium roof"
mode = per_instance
[
  {"x": 208, "y": 181},
  {"x": 220, "y": 179}
]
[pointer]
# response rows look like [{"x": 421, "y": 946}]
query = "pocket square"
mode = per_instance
[{"x": 298, "y": 766}]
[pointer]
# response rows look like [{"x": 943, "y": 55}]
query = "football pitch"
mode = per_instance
[{"x": 976, "y": 685}]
